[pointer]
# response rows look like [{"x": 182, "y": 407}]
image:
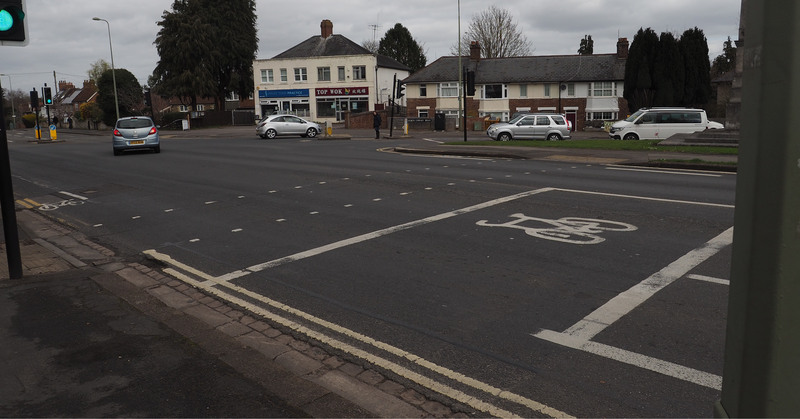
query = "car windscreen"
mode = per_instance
[
  {"x": 134, "y": 123},
  {"x": 635, "y": 115}
]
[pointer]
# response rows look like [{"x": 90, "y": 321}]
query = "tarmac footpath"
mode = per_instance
[{"x": 85, "y": 334}]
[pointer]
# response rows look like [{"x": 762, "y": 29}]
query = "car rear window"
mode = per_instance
[
  {"x": 134, "y": 123},
  {"x": 559, "y": 120}
]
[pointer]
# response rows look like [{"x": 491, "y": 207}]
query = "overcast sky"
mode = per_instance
[{"x": 64, "y": 38}]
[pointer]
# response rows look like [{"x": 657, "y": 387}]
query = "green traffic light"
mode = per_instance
[{"x": 6, "y": 20}]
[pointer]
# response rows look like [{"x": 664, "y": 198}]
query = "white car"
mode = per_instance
[
  {"x": 275, "y": 125},
  {"x": 661, "y": 123}
]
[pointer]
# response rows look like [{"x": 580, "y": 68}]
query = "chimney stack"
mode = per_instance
[
  {"x": 327, "y": 28},
  {"x": 622, "y": 48},
  {"x": 475, "y": 51}
]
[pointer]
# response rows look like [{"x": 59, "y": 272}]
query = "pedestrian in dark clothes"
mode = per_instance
[{"x": 376, "y": 123}]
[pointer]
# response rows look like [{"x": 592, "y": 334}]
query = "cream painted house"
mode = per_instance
[{"x": 323, "y": 77}]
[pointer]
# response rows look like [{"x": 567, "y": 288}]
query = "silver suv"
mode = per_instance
[{"x": 534, "y": 126}]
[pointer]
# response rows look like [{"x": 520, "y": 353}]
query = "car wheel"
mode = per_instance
[
  {"x": 271, "y": 133},
  {"x": 630, "y": 136},
  {"x": 504, "y": 137},
  {"x": 157, "y": 149},
  {"x": 553, "y": 137},
  {"x": 311, "y": 133},
  {"x": 117, "y": 152}
]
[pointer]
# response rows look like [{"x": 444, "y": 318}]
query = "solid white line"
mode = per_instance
[
  {"x": 645, "y": 198},
  {"x": 386, "y": 231},
  {"x": 210, "y": 286},
  {"x": 709, "y": 279},
  {"x": 632, "y": 358},
  {"x": 625, "y": 302},
  {"x": 669, "y": 172},
  {"x": 82, "y": 198}
]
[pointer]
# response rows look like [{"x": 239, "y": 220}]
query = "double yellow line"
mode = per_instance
[{"x": 28, "y": 203}]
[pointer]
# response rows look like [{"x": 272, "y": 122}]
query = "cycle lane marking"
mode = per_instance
[
  {"x": 376, "y": 234},
  {"x": 579, "y": 336}
]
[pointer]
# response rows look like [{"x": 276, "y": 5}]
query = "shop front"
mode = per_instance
[
  {"x": 291, "y": 101},
  {"x": 334, "y": 102}
]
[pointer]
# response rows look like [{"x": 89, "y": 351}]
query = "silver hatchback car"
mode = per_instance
[
  {"x": 135, "y": 133},
  {"x": 275, "y": 125},
  {"x": 535, "y": 126}
]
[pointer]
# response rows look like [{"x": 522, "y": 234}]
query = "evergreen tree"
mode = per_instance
[
  {"x": 206, "y": 49},
  {"x": 639, "y": 85},
  {"x": 398, "y": 43},
  {"x": 669, "y": 72},
  {"x": 129, "y": 95},
  {"x": 694, "y": 47},
  {"x": 726, "y": 61}
]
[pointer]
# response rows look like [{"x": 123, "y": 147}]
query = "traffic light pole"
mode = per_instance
[{"x": 7, "y": 202}]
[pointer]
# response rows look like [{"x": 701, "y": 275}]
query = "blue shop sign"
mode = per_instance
[{"x": 263, "y": 94}]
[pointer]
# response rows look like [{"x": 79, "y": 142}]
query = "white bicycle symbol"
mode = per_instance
[
  {"x": 571, "y": 230},
  {"x": 57, "y": 205}
]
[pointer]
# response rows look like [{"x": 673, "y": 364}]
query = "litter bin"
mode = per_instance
[{"x": 439, "y": 122}]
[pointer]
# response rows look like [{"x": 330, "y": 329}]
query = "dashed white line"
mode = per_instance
[{"x": 82, "y": 198}]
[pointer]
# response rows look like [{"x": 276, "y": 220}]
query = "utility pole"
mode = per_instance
[
  {"x": 11, "y": 234},
  {"x": 760, "y": 375}
]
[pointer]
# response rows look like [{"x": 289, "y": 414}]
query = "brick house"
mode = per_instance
[{"x": 586, "y": 88}]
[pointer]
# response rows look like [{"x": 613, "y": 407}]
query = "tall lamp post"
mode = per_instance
[{"x": 113, "y": 71}]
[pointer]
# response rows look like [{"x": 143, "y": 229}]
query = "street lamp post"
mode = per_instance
[{"x": 113, "y": 71}]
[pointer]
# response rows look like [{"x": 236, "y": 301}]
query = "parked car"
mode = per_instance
[
  {"x": 661, "y": 123},
  {"x": 135, "y": 133},
  {"x": 275, "y": 125},
  {"x": 534, "y": 126}
]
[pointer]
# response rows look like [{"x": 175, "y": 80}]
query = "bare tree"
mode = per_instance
[
  {"x": 497, "y": 33},
  {"x": 371, "y": 45}
]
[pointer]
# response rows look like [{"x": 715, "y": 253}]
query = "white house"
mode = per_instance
[{"x": 323, "y": 77}]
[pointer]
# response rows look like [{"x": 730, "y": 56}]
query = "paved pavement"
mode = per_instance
[{"x": 84, "y": 333}]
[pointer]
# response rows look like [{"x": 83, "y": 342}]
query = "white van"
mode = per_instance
[{"x": 661, "y": 123}]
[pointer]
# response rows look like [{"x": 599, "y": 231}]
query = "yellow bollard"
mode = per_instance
[{"x": 53, "y": 133}]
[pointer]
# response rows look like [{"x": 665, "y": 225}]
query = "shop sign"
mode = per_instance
[
  {"x": 342, "y": 91},
  {"x": 283, "y": 93}
]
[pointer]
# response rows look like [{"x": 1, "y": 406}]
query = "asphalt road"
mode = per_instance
[{"x": 530, "y": 287}]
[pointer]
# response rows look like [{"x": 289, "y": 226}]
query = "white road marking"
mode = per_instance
[
  {"x": 375, "y": 234},
  {"x": 669, "y": 172},
  {"x": 236, "y": 230},
  {"x": 82, "y": 198},
  {"x": 210, "y": 285},
  {"x": 709, "y": 279},
  {"x": 645, "y": 198},
  {"x": 136, "y": 217},
  {"x": 579, "y": 335},
  {"x": 169, "y": 210},
  {"x": 642, "y": 361},
  {"x": 210, "y": 202},
  {"x": 625, "y": 302}
]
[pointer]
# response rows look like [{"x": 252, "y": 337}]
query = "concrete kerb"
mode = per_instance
[{"x": 305, "y": 374}]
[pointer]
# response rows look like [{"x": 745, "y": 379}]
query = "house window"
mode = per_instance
[
  {"x": 323, "y": 74},
  {"x": 300, "y": 74},
  {"x": 284, "y": 75},
  {"x": 603, "y": 116},
  {"x": 423, "y": 90},
  {"x": 359, "y": 72},
  {"x": 495, "y": 91},
  {"x": 422, "y": 113},
  {"x": 183, "y": 108},
  {"x": 546, "y": 90},
  {"x": 201, "y": 108},
  {"x": 603, "y": 88},
  {"x": 266, "y": 76},
  {"x": 523, "y": 90},
  {"x": 448, "y": 89},
  {"x": 341, "y": 73},
  {"x": 570, "y": 89}
]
